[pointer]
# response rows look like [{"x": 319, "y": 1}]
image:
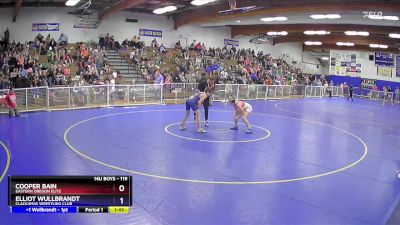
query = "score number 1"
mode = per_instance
[{"x": 121, "y": 188}]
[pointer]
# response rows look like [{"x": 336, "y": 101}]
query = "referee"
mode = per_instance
[{"x": 203, "y": 84}]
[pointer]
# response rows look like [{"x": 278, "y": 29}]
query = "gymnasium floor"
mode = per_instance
[{"x": 309, "y": 161}]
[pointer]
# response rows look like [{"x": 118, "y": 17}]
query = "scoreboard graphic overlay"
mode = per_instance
[{"x": 69, "y": 194}]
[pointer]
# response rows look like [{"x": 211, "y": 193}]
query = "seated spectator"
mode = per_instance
[
  {"x": 52, "y": 43},
  {"x": 168, "y": 79},
  {"x": 48, "y": 38},
  {"x": 63, "y": 39},
  {"x": 40, "y": 37},
  {"x": 116, "y": 45},
  {"x": 125, "y": 43},
  {"x": 162, "y": 49},
  {"x": 134, "y": 41},
  {"x": 4, "y": 83},
  {"x": 178, "y": 45},
  {"x": 191, "y": 47},
  {"x": 198, "y": 47},
  {"x": 154, "y": 43}
]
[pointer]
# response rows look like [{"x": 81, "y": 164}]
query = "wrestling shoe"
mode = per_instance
[
  {"x": 249, "y": 131},
  {"x": 182, "y": 128},
  {"x": 201, "y": 130},
  {"x": 206, "y": 124},
  {"x": 234, "y": 128}
]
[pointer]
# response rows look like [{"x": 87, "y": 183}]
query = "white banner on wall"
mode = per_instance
[
  {"x": 384, "y": 71},
  {"x": 345, "y": 63}
]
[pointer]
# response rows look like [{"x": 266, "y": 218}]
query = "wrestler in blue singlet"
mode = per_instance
[{"x": 192, "y": 102}]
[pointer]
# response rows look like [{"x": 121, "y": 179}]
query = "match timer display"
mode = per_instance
[{"x": 70, "y": 194}]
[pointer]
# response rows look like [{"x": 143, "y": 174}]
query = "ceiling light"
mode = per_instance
[
  {"x": 325, "y": 16},
  {"x": 312, "y": 43},
  {"x": 318, "y": 16},
  {"x": 170, "y": 8},
  {"x": 280, "y": 18},
  {"x": 317, "y": 32},
  {"x": 390, "y": 17},
  {"x": 345, "y": 44},
  {"x": 165, "y": 9},
  {"x": 381, "y": 17},
  {"x": 277, "y": 33},
  {"x": 378, "y": 46},
  {"x": 237, "y": 21},
  {"x": 333, "y": 16},
  {"x": 325, "y": 58},
  {"x": 271, "y": 19},
  {"x": 394, "y": 35},
  {"x": 375, "y": 17},
  {"x": 71, "y": 2},
  {"x": 358, "y": 33},
  {"x": 201, "y": 2},
  {"x": 159, "y": 11}
]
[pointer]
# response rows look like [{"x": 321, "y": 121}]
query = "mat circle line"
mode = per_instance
[
  {"x": 217, "y": 182},
  {"x": 166, "y": 129},
  {"x": 8, "y": 160}
]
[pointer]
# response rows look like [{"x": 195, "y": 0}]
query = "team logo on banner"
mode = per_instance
[
  {"x": 231, "y": 42},
  {"x": 150, "y": 33},
  {"x": 45, "y": 26}
]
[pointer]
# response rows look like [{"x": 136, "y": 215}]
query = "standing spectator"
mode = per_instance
[
  {"x": 191, "y": 47},
  {"x": 390, "y": 94},
  {"x": 6, "y": 37},
  {"x": 159, "y": 78},
  {"x": 102, "y": 42},
  {"x": 397, "y": 93},
  {"x": 351, "y": 89},
  {"x": 11, "y": 100},
  {"x": 107, "y": 40},
  {"x": 374, "y": 92}
]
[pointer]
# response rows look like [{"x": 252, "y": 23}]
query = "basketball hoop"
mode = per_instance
[
  {"x": 87, "y": 23},
  {"x": 234, "y": 9}
]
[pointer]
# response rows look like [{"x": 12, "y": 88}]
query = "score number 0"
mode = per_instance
[{"x": 121, "y": 188}]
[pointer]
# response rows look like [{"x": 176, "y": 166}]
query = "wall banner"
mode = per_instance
[
  {"x": 45, "y": 26},
  {"x": 150, "y": 33},
  {"x": 231, "y": 42},
  {"x": 384, "y": 59}
]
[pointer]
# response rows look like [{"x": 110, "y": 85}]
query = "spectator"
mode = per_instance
[
  {"x": 192, "y": 46},
  {"x": 102, "y": 42},
  {"x": 198, "y": 47},
  {"x": 178, "y": 45},
  {"x": 11, "y": 100},
  {"x": 63, "y": 39},
  {"x": 154, "y": 43},
  {"x": 6, "y": 37},
  {"x": 40, "y": 37},
  {"x": 162, "y": 49}
]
